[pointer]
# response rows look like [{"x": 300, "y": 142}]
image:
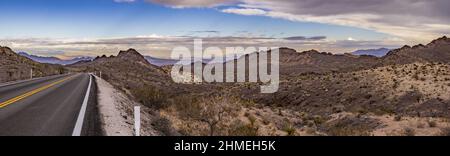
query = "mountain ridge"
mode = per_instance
[
  {"x": 380, "y": 52},
  {"x": 54, "y": 60}
]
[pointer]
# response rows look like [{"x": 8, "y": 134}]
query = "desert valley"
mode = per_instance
[{"x": 405, "y": 92}]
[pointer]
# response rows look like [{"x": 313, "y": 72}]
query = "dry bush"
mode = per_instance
[
  {"x": 150, "y": 97},
  {"x": 163, "y": 125},
  {"x": 351, "y": 126},
  {"x": 445, "y": 131},
  {"x": 398, "y": 118},
  {"x": 349, "y": 131},
  {"x": 289, "y": 129},
  {"x": 409, "y": 132},
  {"x": 432, "y": 123},
  {"x": 241, "y": 129},
  {"x": 212, "y": 110}
]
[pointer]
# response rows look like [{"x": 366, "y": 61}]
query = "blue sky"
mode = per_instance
[
  {"x": 106, "y": 18},
  {"x": 72, "y": 21}
]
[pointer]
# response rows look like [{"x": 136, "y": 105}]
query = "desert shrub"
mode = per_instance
[
  {"x": 445, "y": 131},
  {"x": 398, "y": 118},
  {"x": 396, "y": 84},
  {"x": 280, "y": 112},
  {"x": 252, "y": 119},
  {"x": 150, "y": 97},
  {"x": 163, "y": 125},
  {"x": 212, "y": 110},
  {"x": 432, "y": 123},
  {"x": 266, "y": 121},
  {"x": 187, "y": 106},
  {"x": 420, "y": 125},
  {"x": 409, "y": 132},
  {"x": 416, "y": 76},
  {"x": 310, "y": 123},
  {"x": 310, "y": 131},
  {"x": 241, "y": 129},
  {"x": 319, "y": 119},
  {"x": 106, "y": 77},
  {"x": 289, "y": 128},
  {"x": 368, "y": 96},
  {"x": 351, "y": 126},
  {"x": 359, "y": 130}
]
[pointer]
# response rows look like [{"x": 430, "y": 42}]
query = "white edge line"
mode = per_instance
[{"x": 80, "y": 120}]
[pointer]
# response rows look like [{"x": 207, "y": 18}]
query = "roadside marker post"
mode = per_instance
[{"x": 137, "y": 120}]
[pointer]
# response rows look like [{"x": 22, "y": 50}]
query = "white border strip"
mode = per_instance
[{"x": 80, "y": 120}]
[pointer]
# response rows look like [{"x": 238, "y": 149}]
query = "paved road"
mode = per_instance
[{"x": 42, "y": 107}]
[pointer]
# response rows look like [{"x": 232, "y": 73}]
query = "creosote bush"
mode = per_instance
[
  {"x": 241, "y": 129},
  {"x": 163, "y": 126},
  {"x": 432, "y": 123},
  {"x": 409, "y": 132},
  {"x": 211, "y": 110},
  {"x": 445, "y": 131},
  {"x": 150, "y": 97}
]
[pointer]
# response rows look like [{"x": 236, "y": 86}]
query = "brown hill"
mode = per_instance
[
  {"x": 123, "y": 69},
  {"x": 292, "y": 62},
  {"x": 15, "y": 67},
  {"x": 320, "y": 93},
  {"x": 436, "y": 51},
  {"x": 130, "y": 72}
]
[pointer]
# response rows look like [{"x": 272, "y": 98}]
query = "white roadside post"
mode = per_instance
[
  {"x": 31, "y": 73},
  {"x": 137, "y": 120}
]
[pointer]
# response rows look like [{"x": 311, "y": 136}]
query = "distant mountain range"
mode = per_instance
[
  {"x": 160, "y": 61},
  {"x": 54, "y": 60},
  {"x": 372, "y": 52}
]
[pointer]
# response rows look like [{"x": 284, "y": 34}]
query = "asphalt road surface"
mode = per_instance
[{"x": 51, "y": 106}]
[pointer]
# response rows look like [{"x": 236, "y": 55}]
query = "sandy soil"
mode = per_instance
[{"x": 112, "y": 108}]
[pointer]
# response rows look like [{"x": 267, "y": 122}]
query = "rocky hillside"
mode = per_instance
[
  {"x": 325, "y": 94},
  {"x": 128, "y": 69},
  {"x": 436, "y": 51},
  {"x": 294, "y": 63},
  {"x": 15, "y": 67},
  {"x": 403, "y": 93},
  {"x": 132, "y": 73}
]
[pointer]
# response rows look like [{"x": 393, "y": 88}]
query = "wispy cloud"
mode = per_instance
[
  {"x": 303, "y": 38},
  {"x": 161, "y": 46},
  {"x": 413, "y": 20},
  {"x": 192, "y": 3}
]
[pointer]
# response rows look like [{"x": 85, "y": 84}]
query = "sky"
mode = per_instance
[{"x": 70, "y": 28}]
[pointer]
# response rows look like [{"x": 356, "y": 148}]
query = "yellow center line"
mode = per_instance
[{"x": 23, "y": 96}]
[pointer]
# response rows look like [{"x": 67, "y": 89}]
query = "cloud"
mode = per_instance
[
  {"x": 245, "y": 11},
  {"x": 416, "y": 20},
  {"x": 303, "y": 38},
  {"x": 161, "y": 46},
  {"x": 413, "y": 20},
  {"x": 192, "y": 3}
]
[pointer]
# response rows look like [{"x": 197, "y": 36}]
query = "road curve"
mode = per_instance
[{"x": 43, "y": 107}]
